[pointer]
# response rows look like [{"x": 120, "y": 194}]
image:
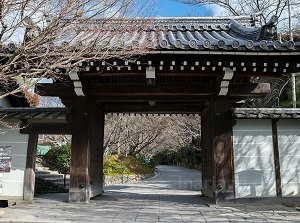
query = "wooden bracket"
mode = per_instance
[{"x": 150, "y": 76}]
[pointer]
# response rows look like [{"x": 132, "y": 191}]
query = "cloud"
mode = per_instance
[{"x": 216, "y": 10}]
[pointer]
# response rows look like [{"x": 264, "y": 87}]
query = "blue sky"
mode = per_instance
[{"x": 172, "y": 8}]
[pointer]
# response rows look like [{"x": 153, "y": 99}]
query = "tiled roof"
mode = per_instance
[
  {"x": 241, "y": 33},
  {"x": 35, "y": 113},
  {"x": 231, "y": 33},
  {"x": 260, "y": 113}
]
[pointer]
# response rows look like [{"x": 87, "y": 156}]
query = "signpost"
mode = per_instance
[
  {"x": 42, "y": 150},
  {"x": 5, "y": 163},
  {"x": 5, "y": 159}
]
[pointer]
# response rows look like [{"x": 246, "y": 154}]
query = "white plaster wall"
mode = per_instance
[
  {"x": 12, "y": 185},
  {"x": 289, "y": 156},
  {"x": 254, "y": 167}
]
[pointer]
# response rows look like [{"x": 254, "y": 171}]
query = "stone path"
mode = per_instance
[{"x": 173, "y": 196}]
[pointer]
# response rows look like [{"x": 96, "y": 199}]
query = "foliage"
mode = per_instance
[
  {"x": 144, "y": 136},
  {"x": 263, "y": 8},
  {"x": 117, "y": 165},
  {"x": 32, "y": 99},
  {"x": 286, "y": 96},
  {"x": 114, "y": 166},
  {"x": 138, "y": 165},
  {"x": 188, "y": 156},
  {"x": 280, "y": 95},
  {"x": 58, "y": 158}
]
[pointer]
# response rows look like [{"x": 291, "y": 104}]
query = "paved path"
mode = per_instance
[{"x": 173, "y": 196}]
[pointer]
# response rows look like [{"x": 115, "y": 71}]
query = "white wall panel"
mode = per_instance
[
  {"x": 289, "y": 153},
  {"x": 254, "y": 159},
  {"x": 13, "y": 182}
]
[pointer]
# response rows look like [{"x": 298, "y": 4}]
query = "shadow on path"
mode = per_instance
[{"x": 173, "y": 196}]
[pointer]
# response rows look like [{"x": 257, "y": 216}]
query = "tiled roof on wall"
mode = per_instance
[
  {"x": 260, "y": 113},
  {"x": 35, "y": 113}
]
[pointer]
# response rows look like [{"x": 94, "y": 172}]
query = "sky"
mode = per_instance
[{"x": 172, "y": 8}]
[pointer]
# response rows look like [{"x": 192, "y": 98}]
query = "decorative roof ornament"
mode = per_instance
[
  {"x": 269, "y": 31},
  {"x": 266, "y": 32}
]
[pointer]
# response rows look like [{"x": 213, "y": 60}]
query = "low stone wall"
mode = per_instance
[{"x": 122, "y": 179}]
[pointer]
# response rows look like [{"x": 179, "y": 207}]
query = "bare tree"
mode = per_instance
[
  {"x": 184, "y": 129},
  {"x": 113, "y": 134},
  {"x": 57, "y": 140},
  {"x": 147, "y": 135},
  {"x": 130, "y": 134},
  {"x": 265, "y": 8},
  {"x": 140, "y": 132},
  {"x": 47, "y": 38}
]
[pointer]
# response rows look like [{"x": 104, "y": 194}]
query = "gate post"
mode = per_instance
[
  {"x": 29, "y": 175},
  {"x": 218, "y": 177},
  {"x": 86, "y": 170}
]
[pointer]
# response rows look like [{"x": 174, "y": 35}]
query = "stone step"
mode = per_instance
[
  {"x": 49, "y": 175},
  {"x": 54, "y": 179},
  {"x": 62, "y": 183},
  {"x": 39, "y": 172}
]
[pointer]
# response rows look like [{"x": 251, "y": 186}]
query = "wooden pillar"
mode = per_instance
[
  {"x": 218, "y": 177},
  {"x": 276, "y": 157},
  {"x": 29, "y": 177},
  {"x": 207, "y": 153},
  {"x": 96, "y": 157},
  {"x": 86, "y": 151}
]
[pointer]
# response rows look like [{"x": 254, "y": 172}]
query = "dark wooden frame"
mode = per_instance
[{"x": 29, "y": 176}]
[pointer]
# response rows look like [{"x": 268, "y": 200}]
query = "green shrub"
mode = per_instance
[
  {"x": 117, "y": 165},
  {"x": 114, "y": 166},
  {"x": 187, "y": 156},
  {"x": 59, "y": 158}
]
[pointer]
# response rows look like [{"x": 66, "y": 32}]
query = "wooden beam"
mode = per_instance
[
  {"x": 159, "y": 73},
  {"x": 157, "y": 109},
  {"x": 29, "y": 176},
  {"x": 141, "y": 89},
  {"x": 147, "y": 98},
  {"x": 109, "y": 91},
  {"x": 196, "y": 92},
  {"x": 55, "y": 89},
  {"x": 66, "y": 90},
  {"x": 48, "y": 128},
  {"x": 195, "y": 73}
]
